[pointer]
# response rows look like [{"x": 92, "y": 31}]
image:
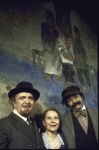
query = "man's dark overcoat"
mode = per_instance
[{"x": 15, "y": 133}]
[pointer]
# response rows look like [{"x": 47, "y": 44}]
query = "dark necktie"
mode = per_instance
[
  {"x": 30, "y": 123},
  {"x": 83, "y": 113}
]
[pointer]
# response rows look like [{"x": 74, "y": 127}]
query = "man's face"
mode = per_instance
[
  {"x": 24, "y": 103},
  {"x": 75, "y": 102}
]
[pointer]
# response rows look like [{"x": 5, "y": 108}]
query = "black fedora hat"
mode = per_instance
[
  {"x": 24, "y": 87},
  {"x": 73, "y": 89}
]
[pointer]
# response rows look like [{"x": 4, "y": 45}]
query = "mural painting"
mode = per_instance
[
  {"x": 58, "y": 51},
  {"x": 65, "y": 47},
  {"x": 60, "y": 63},
  {"x": 63, "y": 55},
  {"x": 49, "y": 35},
  {"x": 80, "y": 60}
]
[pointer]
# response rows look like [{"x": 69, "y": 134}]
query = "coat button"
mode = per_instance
[{"x": 31, "y": 146}]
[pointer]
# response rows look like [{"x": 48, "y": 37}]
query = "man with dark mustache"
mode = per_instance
[
  {"x": 19, "y": 130},
  {"x": 80, "y": 124}
]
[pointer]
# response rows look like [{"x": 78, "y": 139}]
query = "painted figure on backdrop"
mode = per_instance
[
  {"x": 80, "y": 124},
  {"x": 51, "y": 133},
  {"x": 80, "y": 61},
  {"x": 49, "y": 35},
  {"x": 19, "y": 130},
  {"x": 65, "y": 47}
]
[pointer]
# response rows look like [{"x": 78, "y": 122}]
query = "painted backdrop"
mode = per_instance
[{"x": 34, "y": 48}]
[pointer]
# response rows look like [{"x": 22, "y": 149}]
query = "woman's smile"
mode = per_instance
[{"x": 53, "y": 125}]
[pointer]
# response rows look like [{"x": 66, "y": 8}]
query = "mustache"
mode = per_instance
[
  {"x": 26, "y": 106},
  {"x": 77, "y": 103}
]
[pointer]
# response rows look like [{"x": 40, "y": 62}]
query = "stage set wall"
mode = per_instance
[{"x": 22, "y": 58}]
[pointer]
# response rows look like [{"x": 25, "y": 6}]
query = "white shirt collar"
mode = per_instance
[
  {"x": 84, "y": 107},
  {"x": 25, "y": 119}
]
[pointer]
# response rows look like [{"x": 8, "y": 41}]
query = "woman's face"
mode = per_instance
[{"x": 51, "y": 121}]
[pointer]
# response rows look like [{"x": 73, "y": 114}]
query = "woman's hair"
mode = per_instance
[{"x": 43, "y": 118}]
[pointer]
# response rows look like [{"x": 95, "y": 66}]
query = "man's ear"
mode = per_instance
[
  {"x": 13, "y": 103},
  {"x": 82, "y": 97}
]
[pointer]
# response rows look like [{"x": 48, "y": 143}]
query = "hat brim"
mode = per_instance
[
  {"x": 70, "y": 94},
  {"x": 34, "y": 92}
]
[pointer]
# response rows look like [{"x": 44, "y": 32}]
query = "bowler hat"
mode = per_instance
[
  {"x": 73, "y": 89},
  {"x": 24, "y": 87}
]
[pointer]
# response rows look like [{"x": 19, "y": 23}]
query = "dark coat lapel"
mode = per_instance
[
  {"x": 38, "y": 137},
  {"x": 22, "y": 126}
]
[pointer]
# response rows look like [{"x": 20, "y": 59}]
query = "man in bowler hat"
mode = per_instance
[
  {"x": 80, "y": 124},
  {"x": 18, "y": 130}
]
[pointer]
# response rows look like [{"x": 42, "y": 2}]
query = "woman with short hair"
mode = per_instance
[{"x": 51, "y": 133}]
